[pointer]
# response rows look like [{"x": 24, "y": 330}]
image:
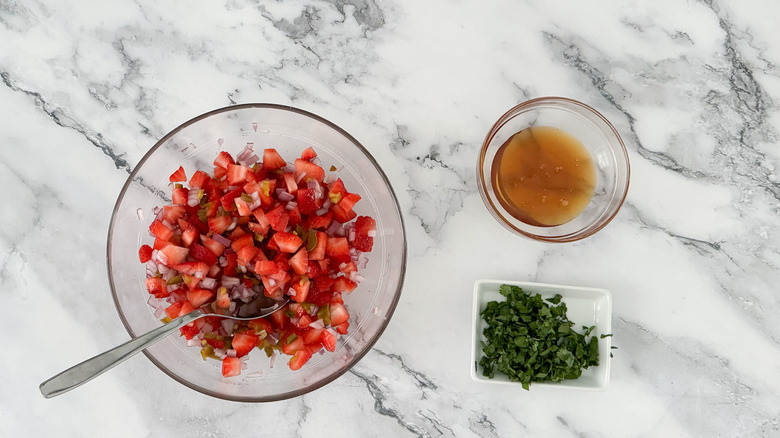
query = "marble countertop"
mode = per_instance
[{"x": 87, "y": 87}]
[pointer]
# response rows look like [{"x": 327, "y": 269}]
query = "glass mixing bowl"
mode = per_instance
[
  {"x": 194, "y": 145},
  {"x": 602, "y": 142}
]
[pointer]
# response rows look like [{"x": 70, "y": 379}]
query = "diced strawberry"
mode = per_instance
[
  {"x": 232, "y": 261},
  {"x": 179, "y": 195},
  {"x": 308, "y": 154},
  {"x": 338, "y": 314},
  {"x": 145, "y": 253},
  {"x": 279, "y": 319},
  {"x": 236, "y": 233},
  {"x": 287, "y": 242},
  {"x": 158, "y": 229},
  {"x": 306, "y": 170},
  {"x": 245, "y": 240},
  {"x": 213, "y": 246},
  {"x": 199, "y": 297},
  {"x": 312, "y": 336},
  {"x": 186, "y": 308},
  {"x": 223, "y": 299},
  {"x": 271, "y": 287},
  {"x": 328, "y": 340},
  {"x": 289, "y": 183},
  {"x": 343, "y": 328},
  {"x": 189, "y": 331},
  {"x": 259, "y": 325},
  {"x": 262, "y": 221},
  {"x": 348, "y": 201},
  {"x": 318, "y": 253},
  {"x": 266, "y": 267},
  {"x": 341, "y": 215},
  {"x": 172, "y": 213},
  {"x": 346, "y": 268},
  {"x": 291, "y": 343},
  {"x": 219, "y": 224},
  {"x": 246, "y": 254},
  {"x": 219, "y": 172},
  {"x": 300, "y": 261},
  {"x": 337, "y": 191},
  {"x": 223, "y": 159},
  {"x": 338, "y": 249},
  {"x": 243, "y": 343},
  {"x": 272, "y": 160},
  {"x": 364, "y": 226},
  {"x": 173, "y": 310},
  {"x": 343, "y": 284},
  {"x": 242, "y": 207},
  {"x": 178, "y": 176},
  {"x": 175, "y": 254},
  {"x": 231, "y": 366},
  {"x": 202, "y": 254},
  {"x": 157, "y": 287},
  {"x": 188, "y": 232},
  {"x": 278, "y": 218},
  {"x": 160, "y": 244},
  {"x": 307, "y": 201},
  {"x": 196, "y": 269},
  {"x": 215, "y": 343},
  {"x": 301, "y": 288},
  {"x": 315, "y": 222},
  {"x": 237, "y": 174},
  {"x": 295, "y": 216},
  {"x": 229, "y": 197},
  {"x": 299, "y": 358},
  {"x": 199, "y": 179}
]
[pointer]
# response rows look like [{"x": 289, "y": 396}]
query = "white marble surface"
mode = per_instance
[{"x": 692, "y": 259}]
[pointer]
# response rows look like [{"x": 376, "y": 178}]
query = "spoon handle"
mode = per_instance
[{"x": 82, "y": 373}]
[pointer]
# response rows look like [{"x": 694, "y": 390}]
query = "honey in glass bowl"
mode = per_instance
[{"x": 543, "y": 176}]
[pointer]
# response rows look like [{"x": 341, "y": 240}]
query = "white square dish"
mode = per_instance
[{"x": 585, "y": 307}]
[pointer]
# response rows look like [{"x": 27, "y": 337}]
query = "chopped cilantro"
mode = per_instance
[{"x": 530, "y": 340}]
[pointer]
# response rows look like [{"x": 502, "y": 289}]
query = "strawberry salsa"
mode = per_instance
[{"x": 257, "y": 228}]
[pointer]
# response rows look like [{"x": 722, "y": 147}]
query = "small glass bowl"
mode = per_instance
[
  {"x": 597, "y": 135},
  {"x": 194, "y": 145}
]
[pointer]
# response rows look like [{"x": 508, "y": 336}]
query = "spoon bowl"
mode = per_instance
[{"x": 83, "y": 372}]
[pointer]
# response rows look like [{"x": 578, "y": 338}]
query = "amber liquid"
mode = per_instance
[{"x": 543, "y": 176}]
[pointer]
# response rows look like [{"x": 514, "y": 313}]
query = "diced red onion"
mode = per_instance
[
  {"x": 164, "y": 270},
  {"x": 321, "y": 212},
  {"x": 220, "y": 141},
  {"x": 158, "y": 312},
  {"x": 198, "y": 274},
  {"x": 356, "y": 277},
  {"x": 289, "y": 168},
  {"x": 192, "y": 197},
  {"x": 342, "y": 265},
  {"x": 273, "y": 340},
  {"x": 152, "y": 301},
  {"x": 316, "y": 160},
  {"x": 371, "y": 233},
  {"x": 227, "y": 325},
  {"x": 255, "y": 204},
  {"x": 232, "y": 308},
  {"x": 333, "y": 332},
  {"x": 327, "y": 203},
  {"x": 291, "y": 292},
  {"x": 284, "y": 196},
  {"x": 161, "y": 258},
  {"x": 273, "y": 360},
  {"x": 140, "y": 213},
  {"x": 301, "y": 177},
  {"x": 313, "y": 309},
  {"x": 157, "y": 212},
  {"x": 363, "y": 262},
  {"x": 220, "y": 353},
  {"x": 290, "y": 205},
  {"x": 229, "y": 281},
  {"x": 193, "y": 342},
  {"x": 335, "y": 229},
  {"x": 233, "y": 225},
  {"x": 243, "y": 364},
  {"x": 318, "y": 324},
  {"x": 207, "y": 328},
  {"x": 231, "y": 353},
  {"x": 171, "y": 287},
  {"x": 222, "y": 240},
  {"x": 271, "y": 282},
  {"x": 208, "y": 283},
  {"x": 351, "y": 236},
  {"x": 167, "y": 224}
]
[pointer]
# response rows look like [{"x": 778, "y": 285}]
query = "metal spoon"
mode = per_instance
[{"x": 82, "y": 373}]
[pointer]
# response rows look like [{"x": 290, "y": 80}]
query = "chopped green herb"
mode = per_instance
[{"x": 532, "y": 341}]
